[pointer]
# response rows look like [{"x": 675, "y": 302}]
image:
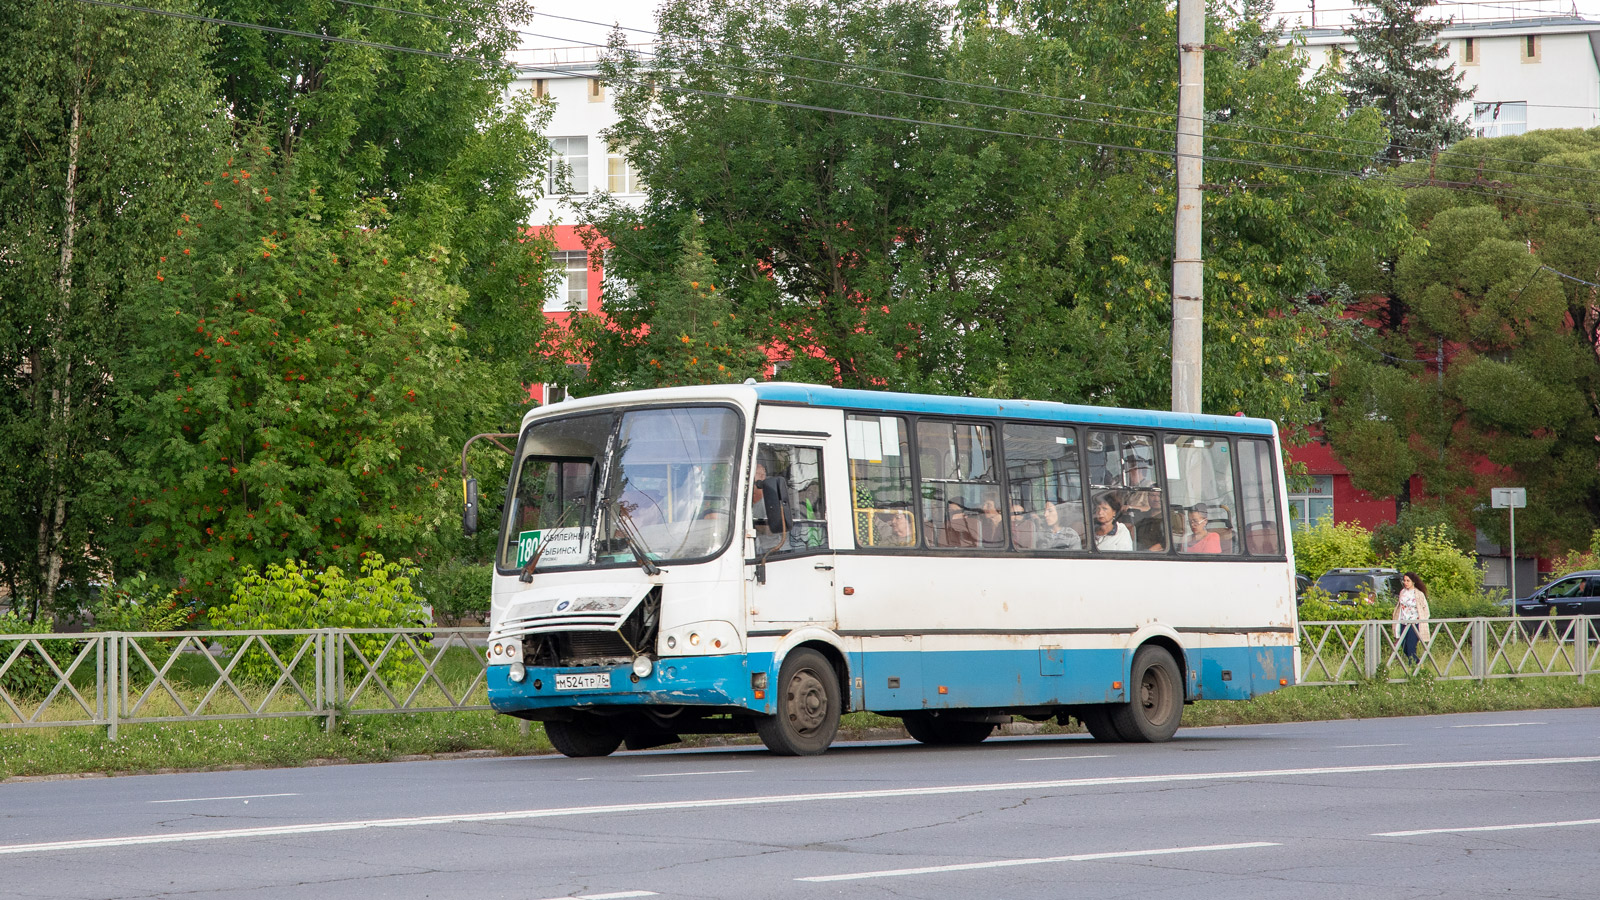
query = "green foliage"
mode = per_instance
[
  {"x": 458, "y": 589},
  {"x": 1513, "y": 402},
  {"x": 104, "y": 117},
  {"x": 694, "y": 335},
  {"x": 1578, "y": 560},
  {"x": 140, "y": 603},
  {"x": 29, "y": 676},
  {"x": 1389, "y": 537},
  {"x": 1327, "y": 546},
  {"x": 1396, "y": 69},
  {"x": 878, "y": 253},
  {"x": 1450, "y": 575},
  {"x": 300, "y": 387},
  {"x": 295, "y": 595}
]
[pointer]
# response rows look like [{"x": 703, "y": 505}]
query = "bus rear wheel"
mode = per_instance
[
  {"x": 1152, "y": 712},
  {"x": 931, "y": 728},
  {"x": 808, "y": 706},
  {"x": 584, "y": 736}
]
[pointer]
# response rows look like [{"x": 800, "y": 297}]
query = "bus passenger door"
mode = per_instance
[{"x": 789, "y": 567}]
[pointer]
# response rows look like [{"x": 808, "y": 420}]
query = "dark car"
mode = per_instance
[
  {"x": 1577, "y": 594},
  {"x": 1352, "y": 586}
]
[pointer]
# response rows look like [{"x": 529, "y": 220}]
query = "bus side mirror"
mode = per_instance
[{"x": 469, "y": 512}]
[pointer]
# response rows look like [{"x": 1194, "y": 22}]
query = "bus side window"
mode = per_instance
[
  {"x": 1259, "y": 490},
  {"x": 961, "y": 501},
  {"x": 786, "y": 500},
  {"x": 879, "y": 448},
  {"x": 1200, "y": 491},
  {"x": 1045, "y": 484},
  {"x": 1124, "y": 464}
]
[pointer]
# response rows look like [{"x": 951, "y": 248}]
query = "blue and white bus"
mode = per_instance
[{"x": 764, "y": 557}]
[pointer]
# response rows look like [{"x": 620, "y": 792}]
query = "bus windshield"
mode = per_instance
[{"x": 602, "y": 489}]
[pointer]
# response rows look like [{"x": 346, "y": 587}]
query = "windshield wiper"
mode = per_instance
[{"x": 630, "y": 536}]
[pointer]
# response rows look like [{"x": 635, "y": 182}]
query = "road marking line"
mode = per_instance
[
  {"x": 1007, "y": 863},
  {"x": 681, "y": 774},
  {"x": 1486, "y": 828},
  {"x": 1086, "y": 756},
  {"x": 620, "y": 895},
  {"x": 768, "y": 800},
  {"x": 1498, "y": 725},
  {"x": 240, "y": 797},
  {"x": 1362, "y": 746}
]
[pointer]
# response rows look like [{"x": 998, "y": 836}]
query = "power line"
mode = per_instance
[
  {"x": 1042, "y": 95},
  {"x": 855, "y": 113}
]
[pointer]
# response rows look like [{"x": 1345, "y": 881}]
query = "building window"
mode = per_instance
[
  {"x": 1499, "y": 119},
  {"x": 1530, "y": 48},
  {"x": 621, "y": 177},
  {"x": 1469, "y": 51},
  {"x": 569, "y": 165},
  {"x": 541, "y": 87},
  {"x": 1306, "y": 507},
  {"x": 597, "y": 91},
  {"x": 572, "y": 288}
]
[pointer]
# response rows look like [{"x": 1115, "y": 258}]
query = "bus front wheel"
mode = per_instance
[
  {"x": 1156, "y": 703},
  {"x": 808, "y": 706},
  {"x": 583, "y": 737}
]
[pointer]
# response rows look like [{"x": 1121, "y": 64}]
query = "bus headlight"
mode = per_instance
[
  {"x": 518, "y": 672},
  {"x": 643, "y": 666}
]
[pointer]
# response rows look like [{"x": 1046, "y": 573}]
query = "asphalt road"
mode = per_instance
[{"x": 1487, "y": 805}]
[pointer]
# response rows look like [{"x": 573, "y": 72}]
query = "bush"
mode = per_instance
[
  {"x": 1450, "y": 576},
  {"x": 139, "y": 603},
  {"x": 29, "y": 675},
  {"x": 458, "y": 589},
  {"x": 1578, "y": 561},
  {"x": 296, "y": 596},
  {"x": 1327, "y": 546},
  {"x": 1316, "y": 605},
  {"x": 1390, "y": 537}
]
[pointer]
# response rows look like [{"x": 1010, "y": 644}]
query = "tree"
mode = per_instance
[
  {"x": 1024, "y": 256},
  {"x": 1491, "y": 376},
  {"x": 1396, "y": 70},
  {"x": 106, "y": 117},
  {"x": 299, "y": 388},
  {"x": 694, "y": 336}
]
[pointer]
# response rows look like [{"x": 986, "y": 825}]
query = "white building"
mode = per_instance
[{"x": 1524, "y": 74}]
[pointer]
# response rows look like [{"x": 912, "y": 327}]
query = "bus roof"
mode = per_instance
[{"x": 932, "y": 404}]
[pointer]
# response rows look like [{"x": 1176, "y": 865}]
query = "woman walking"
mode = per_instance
[{"x": 1411, "y": 614}]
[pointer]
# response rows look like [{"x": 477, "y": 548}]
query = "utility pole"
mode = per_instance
[{"x": 1188, "y": 272}]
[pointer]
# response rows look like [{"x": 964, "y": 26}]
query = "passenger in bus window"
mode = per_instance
[
  {"x": 1022, "y": 530},
  {"x": 959, "y": 530},
  {"x": 897, "y": 530},
  {"x": 1109, "y": 534},
  {"x": 1201, "y": 538},
  {"x": 991, "y": 525},
  {"x": 1053, "y": 534}
]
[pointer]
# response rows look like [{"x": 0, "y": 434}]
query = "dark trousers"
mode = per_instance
[{"x": 1408, "y": 641}]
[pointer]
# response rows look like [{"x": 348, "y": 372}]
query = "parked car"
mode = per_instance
[
  {"x": 1301, "y": 583},
  {"x": 1553, "y": 606},
  {"x": 1352, "y": 586}
]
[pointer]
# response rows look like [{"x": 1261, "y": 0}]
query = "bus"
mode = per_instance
[{"x": 765, "y": 557}]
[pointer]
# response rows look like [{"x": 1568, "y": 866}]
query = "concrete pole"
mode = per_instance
[{"x": 1188, "y": 271}]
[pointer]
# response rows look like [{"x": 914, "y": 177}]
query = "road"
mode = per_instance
[{"x": 1484, "y": 805}]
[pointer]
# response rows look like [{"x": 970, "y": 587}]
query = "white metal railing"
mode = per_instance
[
  {"x": 113, "y": 678},
  {"x": 1457, "y": 649}
]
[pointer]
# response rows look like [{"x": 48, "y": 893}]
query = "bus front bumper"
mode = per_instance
[{"x": 704, "y": 681}]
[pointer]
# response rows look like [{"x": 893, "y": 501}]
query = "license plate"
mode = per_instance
[{"x": 584, "y": 681}]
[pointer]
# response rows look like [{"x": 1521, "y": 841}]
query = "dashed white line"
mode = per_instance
[
  {"x": 1085, "y": 756},
  {"x": 207, "y": 799},
  {"x": 1364, "y": 746},
  {"x": 768, "y": 800},
  {"x": 1498, "y": 725},
  {"x": 682, "y": 774},
  {"x": 1008, "y": 863},
  {"x": 1487, "y": 828},
  {"x": 619, "y": 895}
]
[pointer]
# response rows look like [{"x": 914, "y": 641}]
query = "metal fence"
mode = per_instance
[
  {"x": 1456, "y": 649},
  {"x": 116, "y": 678}
]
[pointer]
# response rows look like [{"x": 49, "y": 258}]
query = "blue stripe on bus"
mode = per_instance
[
  {"x": 891, "y": 401},
  {"x": 972, "y": 679}
]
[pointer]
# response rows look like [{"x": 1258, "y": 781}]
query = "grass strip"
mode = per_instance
[{"x": 270, "y": 743}]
